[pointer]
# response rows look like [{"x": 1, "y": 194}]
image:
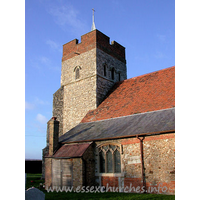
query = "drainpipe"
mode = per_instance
[{"x": 142, "y": 161}]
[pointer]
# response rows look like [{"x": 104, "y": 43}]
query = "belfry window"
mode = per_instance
[
  {"x": 119, "y": 75},
  {"x": 113, "y": 73},
  {"x": 109, "y": 159},
  {"x": 104, "y": 70},
  {"x": 77, "y": 72}
]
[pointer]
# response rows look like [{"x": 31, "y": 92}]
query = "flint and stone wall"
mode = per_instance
[
  {"x": 78, "y": 96},
  {"x": 159, "y": 164},
  {"x": 58, "y": 103}
]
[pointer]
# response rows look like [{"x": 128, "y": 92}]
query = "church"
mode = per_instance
[{"x": 108, "y": 130}]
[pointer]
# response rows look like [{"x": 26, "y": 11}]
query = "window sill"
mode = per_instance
[{"x": 110, "y": 174}]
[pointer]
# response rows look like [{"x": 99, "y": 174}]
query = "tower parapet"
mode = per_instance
[{"x": 91, "y": 40}]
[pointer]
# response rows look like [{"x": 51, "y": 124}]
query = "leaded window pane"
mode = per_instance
[
  {"x": 109, "y": 162},
  {"x": 117, "y": 162},
  {"x": 105, "y": 148},
  {"x": 102, "y": 162},
  {"x": 113, "y": 147}
]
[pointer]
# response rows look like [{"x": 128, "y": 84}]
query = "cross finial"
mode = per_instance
[{"x": 93, "y": 24}]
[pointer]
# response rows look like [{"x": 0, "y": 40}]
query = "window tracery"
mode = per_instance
[{"x": 109, "y": 159}]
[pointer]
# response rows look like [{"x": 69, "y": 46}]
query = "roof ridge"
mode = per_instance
[{"x": 127, "y": 115}]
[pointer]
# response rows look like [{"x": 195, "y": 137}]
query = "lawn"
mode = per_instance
[{"x": 34, "y": 180}]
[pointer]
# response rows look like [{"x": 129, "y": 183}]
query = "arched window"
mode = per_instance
[
  {"x": 77, "y": 72},
  {"x": 113, "y": 73},
  {"x": 109, "y": 159}
]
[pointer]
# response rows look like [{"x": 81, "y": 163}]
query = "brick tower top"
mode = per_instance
[{"x": 91, "y": 40}]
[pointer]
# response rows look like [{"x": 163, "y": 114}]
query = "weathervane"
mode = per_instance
[{"x": 93, "y": 25}]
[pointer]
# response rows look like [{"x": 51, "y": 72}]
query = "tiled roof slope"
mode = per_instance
[
  {"x": 155, "y": 122},
  {"x": 71, "y": 151},
  {"x": 149, "y": 92}
]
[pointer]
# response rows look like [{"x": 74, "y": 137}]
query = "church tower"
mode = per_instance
[{"x": 89, "y": 70}]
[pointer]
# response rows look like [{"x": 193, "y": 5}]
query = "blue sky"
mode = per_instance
[{"x": 145, "y": 27}]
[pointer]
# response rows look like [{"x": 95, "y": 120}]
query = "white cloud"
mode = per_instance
[
  {"x": 41, "y": 102},
  {"x": 41, "y": 118},
  {"x": 45, "y": 60},
  {"x": 29, "y": 106},
  {"x": 54, "y": 45},
  {"x": 67, "y": 17}
]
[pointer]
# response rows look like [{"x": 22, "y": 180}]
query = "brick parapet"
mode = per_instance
[{"x": 91, "y": 40}]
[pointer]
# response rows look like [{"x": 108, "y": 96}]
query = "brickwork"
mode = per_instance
[{"x": 89, "y": 41}]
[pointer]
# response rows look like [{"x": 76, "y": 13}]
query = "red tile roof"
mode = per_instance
[
  {"x": 71, "y": 150},
  {"x": 149, "y": 92}
]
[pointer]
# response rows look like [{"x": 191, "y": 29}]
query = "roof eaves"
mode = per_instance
[{"x": 125, "y": 136}]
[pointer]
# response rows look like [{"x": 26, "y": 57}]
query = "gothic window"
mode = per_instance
[
  {"x": 109, "y": 159},
  {"x": 104, "y": 70},
  {"x": 113, "y": 73},
  {"x": 77, "y": 72}
]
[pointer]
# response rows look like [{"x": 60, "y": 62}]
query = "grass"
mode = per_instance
[{"x": 34, "y": 180}]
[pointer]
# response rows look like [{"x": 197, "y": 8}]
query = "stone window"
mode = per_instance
[
  {"x": 109, "y": 159},
  {"x": 77, "y": 72},
  {"x": 113, "y": 73},
  {"x": 119, "y": 75}
]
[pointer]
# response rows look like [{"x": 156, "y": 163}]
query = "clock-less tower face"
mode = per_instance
[{"x": 89, "y": 70}]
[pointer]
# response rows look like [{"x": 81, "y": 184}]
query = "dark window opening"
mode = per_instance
[
  {"x": 113, "y": 73},
  {"x": 104, "y": 70},
  {"x": 77, "y": 73}
]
